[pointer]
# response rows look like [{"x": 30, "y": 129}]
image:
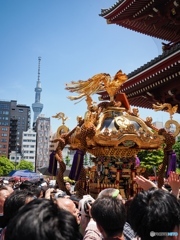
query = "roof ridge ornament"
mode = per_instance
[{"x": 167, "y": 107}]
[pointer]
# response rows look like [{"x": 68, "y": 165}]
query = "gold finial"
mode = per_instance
[
  {"x": 167, "y": 107},
  {"x": 61, "y": 115}
]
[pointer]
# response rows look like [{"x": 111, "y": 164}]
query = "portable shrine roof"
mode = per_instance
[{"x": 156, "y": 18}]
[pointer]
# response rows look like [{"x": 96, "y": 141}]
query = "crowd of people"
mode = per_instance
[{"x": 38, "y": 211}]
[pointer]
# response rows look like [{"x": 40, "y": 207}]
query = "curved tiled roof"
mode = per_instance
[
  {"x": 155, "y": 81},
  {"x": 156, "y": 18},
  {"x": 165, "y": 54}
]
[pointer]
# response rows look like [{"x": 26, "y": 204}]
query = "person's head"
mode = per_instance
[
  {"x": 69, "y": 205},
  {"x": 38, "y": 191},
  {"x": 154, "y": 211},
  {"x": 14, "y": 201},
  {"x": 42, "y": 219},
  {"x": 4, "y": 193},
  {"x": 11, "y": 182},
  {"x": 110, "y": 192},
  {"x": 68, "y": 186},
  {"x": 26, "y": 185},
  {"x": 109, "y": 214}
]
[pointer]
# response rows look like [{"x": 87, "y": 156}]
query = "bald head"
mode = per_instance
[
  {"x": 69, "y": 206},
  {"x": 65, "y": 203}
]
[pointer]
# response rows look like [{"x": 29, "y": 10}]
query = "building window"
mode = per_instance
[
  {"x": 4, "y": 123},
  {"x": 4, "y": 134},
  {"x": 5, "y": 112},
  {"x": 20, "y": 110},
  {"x": 4, "y": 118}
]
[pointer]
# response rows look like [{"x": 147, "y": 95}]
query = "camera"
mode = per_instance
[
  {"x": 83, "y": 204},
  {"x": 86, "y": 207}
]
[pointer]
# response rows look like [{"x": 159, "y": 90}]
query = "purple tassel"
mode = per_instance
[
  {"x": 52, "y": 169},
  {"x": 171, "y": 163},
  {"x": 77, "y": 165},
  {"x": 137, "y": 162}
]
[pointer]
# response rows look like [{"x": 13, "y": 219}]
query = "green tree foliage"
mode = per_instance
[
  {"x": 67, "y": 160},
  {"x": 5, "y": 166},
  {"x": 23, "y": 164},
  {"x": 176, "y": 148},
  {"x": 151, "y": 159}
]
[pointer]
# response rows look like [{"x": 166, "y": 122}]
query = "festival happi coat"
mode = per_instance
[{"x": 113, "y": 133}]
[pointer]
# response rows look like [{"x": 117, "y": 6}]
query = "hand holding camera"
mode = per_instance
[{"x": 85, "y": 205}]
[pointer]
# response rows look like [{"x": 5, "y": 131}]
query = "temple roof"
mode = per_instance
[
  {"x": 156, "y": 18},
  {"x": 155, "y": 81}
]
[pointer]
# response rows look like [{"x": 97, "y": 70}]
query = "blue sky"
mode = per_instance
[{"x": 74, "y": 43}]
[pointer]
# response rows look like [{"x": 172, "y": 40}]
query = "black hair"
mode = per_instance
[
  {"x": 41, "y": 219},
  {"x": 154, "y": 210},
  {"x": 13, "y": 203},
  {"x": 109, "y": 213},
  {"x": 26, "y": 185}
]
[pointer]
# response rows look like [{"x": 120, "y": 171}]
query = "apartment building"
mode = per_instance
[
  {"x": 29, "y": 146},
  {"x": 14, "y": 119},
  {"x": 42, "y": 141}
]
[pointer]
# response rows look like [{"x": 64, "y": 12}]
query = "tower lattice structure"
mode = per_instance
[{"x": 37, "y": 106}]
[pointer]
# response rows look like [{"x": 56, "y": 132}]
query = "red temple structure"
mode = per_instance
[{"x": 157, "y": 80}]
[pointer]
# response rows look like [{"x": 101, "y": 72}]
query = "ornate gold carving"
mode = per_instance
[
  {"x": 135, "y": 112},
  {"x": 61, "y": 115},
  {"x": 176, "y": 124},
  {"x": 62, "y": 129},
  {"x": 167, "y": 107},
  {"x": 114, "y": 128},
  {"x": 141, "y": 123},
  {"x": 113, "y": 151},
  {"x": 122, "y": 122},
  {"x": 110, "y": 125},
  {"x": 99, "y": 82}
]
